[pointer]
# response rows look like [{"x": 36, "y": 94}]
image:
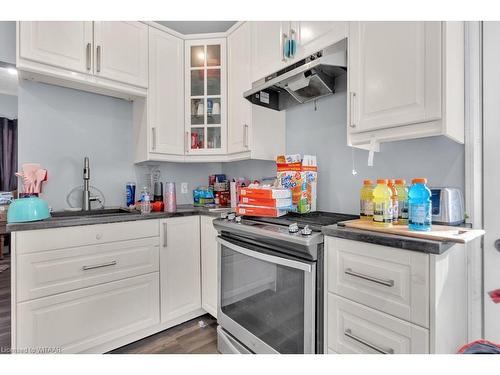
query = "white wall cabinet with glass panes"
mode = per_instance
[{"x": 205, "y": 107}]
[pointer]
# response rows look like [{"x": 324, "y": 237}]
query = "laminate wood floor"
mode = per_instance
[
  {"x": 186, "y": 338},
  {"x": 5, "y": 306}
]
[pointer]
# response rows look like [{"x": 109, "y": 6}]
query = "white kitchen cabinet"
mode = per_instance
[
  {"x": 253, "y": 132},
  {"x": 312, "y": 36},
  {"x": 266, "y": 48},
  {"x": 165, "y": 95},
  {"x": 406, "y": 80},
  {"x": 121, "y": 51},
  {"x": 180, "y": 281},
  {"x": 208, "y": 265},
  {"x": 205, "y": 91},
  {"x": 62, "y": 44},
  {"x": 380, "y": 298},
  {"x": 81, "y": 320}
]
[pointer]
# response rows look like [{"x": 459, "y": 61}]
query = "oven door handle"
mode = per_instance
[{"x": 265, "y": 257}]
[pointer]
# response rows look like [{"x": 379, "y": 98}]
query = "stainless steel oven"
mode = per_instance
[{"x": 269, "y": 291}]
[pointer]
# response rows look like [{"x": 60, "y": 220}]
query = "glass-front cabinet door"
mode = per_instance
[{"x": 205, "y": 96}]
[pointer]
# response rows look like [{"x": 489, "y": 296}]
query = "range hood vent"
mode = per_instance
[{"x": 301, "y": 82}]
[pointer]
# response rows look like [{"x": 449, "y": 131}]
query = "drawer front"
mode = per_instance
[
  {"x": 394, "y": 281},
  {"x": 80, "y": 320},
  {"x": 60, "y": 238},
  {"x": 354, "y": 328},
  {"x": 46, "y": 273}
]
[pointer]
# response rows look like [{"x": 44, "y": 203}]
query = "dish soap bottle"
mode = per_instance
[
  {"x": 382, "y": 204},
  {"x": 366, "y": 200},
  {"x": 419, "y": 205},
  {"x": 402, "y": 201},
  {"x": 394, "y": 200}
]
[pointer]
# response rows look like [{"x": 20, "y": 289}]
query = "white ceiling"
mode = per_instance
[{"x": 198, "y": 27}]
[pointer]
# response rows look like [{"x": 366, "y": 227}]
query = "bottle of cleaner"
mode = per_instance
[
  {"x": 394, "y": 199},
  {"x": 382, "y": 204},
  {"x": 419, "y": 205},
  {"x": 366, "y": 201},
  {"x": 402, "y": 201}
]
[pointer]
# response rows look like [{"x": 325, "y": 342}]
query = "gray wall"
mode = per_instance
[
  {"x": 8, "y": 42},
  {"x": 323, "y": 133},
  {"x": 8, "y": 106},
  {"x": 59, "y": 126}
]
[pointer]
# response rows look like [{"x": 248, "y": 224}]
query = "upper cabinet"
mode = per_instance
[
  {"x": 104, "y": 57},
  {"x": 205, "y": 90},
  {"x": 66, "y": 45},
  {"x": 121, "y": 51},
  {"x": 406, "y": 80},
  {"x": 165, "y": 119},
  {"x": 276, "y": 44}
]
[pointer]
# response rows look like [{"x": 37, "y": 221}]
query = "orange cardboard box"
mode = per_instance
[
  {"x": 282, "y": 203},
  {"x": 248, "y": 210},
  {"x": 265, "y": 193}
]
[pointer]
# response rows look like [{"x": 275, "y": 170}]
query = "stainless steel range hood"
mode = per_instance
[{"x": 301, "y": 82}]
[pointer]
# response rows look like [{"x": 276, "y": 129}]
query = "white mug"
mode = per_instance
[
  {"x": 200, "y": 109},
  {"x": 216, "y": 108}
]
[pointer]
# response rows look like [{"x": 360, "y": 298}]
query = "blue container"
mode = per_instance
[
  {"x": 130, "y": 192},
  {"x": 419, "y": 206},
  {"x": 27, "y": 209}
]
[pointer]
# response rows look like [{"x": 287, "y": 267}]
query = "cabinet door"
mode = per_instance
[
  {"x": 165, "y": 95},
  {"x": 121, "y": 51},
  {"x": 394, "y": 74},
  {"x": 65, "y": 45},
  {"x": 180, "y": 284},
  {"x": 239, "y": 81},
  {"x": 267, "y": 47},
  {"x": 208, "y": 266},
  {"x": 80, "y": 320},
  {"x": 312, "y": 36}
]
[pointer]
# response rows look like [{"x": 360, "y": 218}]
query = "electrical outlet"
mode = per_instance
[{"x": 184, "y": 188}]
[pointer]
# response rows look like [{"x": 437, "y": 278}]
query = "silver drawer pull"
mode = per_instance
[
  {"x": 112, "y": 263},
  {"x": 389, "y": 283},
  {"x": 349, "y": 334}
]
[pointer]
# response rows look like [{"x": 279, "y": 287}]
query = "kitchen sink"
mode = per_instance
[{"x": 92, "y": 213}]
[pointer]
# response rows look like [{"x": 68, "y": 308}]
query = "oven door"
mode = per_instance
[{"x": 266, "y": 300}]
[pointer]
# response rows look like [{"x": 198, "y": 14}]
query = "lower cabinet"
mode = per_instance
[
  {"x": 208, "y": 265},
  {"x": 180, "y": 281},
  {"x": 83, "y": 319}
]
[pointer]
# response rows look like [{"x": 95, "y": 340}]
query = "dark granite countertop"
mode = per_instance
[
  {"x": 391, "y": 240},
  {"x": 59, "y": 222}
]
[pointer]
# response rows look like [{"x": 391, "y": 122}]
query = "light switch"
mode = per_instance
[{"x": 184, "y": 188}]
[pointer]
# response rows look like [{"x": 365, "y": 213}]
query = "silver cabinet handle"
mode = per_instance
[
  {"x": 245, "y": 135},
  {"x": 165, "y": 240},
  {"x": 153, "y": 138},
  {"x": 349, "y": 334},
  {"x": 352, "y": 97},
  {"x": 88, "y": 55},
  {"x": 112, "y": 263},
  {"x": 389, "y": 283},
  {"x": 284, "y": 38},
  {"x": 98, "y": 58}
]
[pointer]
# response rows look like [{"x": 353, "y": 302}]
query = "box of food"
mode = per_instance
[
  {"x": 300, "y": 175},
  {"x": 283, "y": 203},
  {"x": 263, "y": 192},
  {"x": 248, "y": 210}
]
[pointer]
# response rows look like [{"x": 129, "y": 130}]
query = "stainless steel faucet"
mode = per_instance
[{"x": 87, "y": 198}]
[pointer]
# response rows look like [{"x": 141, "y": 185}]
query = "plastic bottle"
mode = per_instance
[
  {"x": 394, "y": 200},
  {"x": 419, "y": 205},
  {"x": 366, "y": 200},
  {"x": 145, "y": 201},
  {"x": 402, "y": 201},
  {"x": 382, "y": 204}
]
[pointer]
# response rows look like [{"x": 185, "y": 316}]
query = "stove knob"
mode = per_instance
[
  {"x": 306, "y": 231},
  {"x": 293, "y": 228},
  {"x": 238, "y": 219},
  {"x": 231, "y": 216}
]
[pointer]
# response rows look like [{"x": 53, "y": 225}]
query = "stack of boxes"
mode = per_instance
[{"x": 264, "y": 201}]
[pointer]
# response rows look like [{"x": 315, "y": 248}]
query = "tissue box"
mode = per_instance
[{"x": 300, "y": 175}]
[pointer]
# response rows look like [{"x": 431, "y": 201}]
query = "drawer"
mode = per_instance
[
  {"x": 354, "y": 328},
  {"x": 81, "y": 320},
  {"x": 60, "y": 238},
  {"x": 391, "y": 280},
  {"x": 46, "y": 273}
]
